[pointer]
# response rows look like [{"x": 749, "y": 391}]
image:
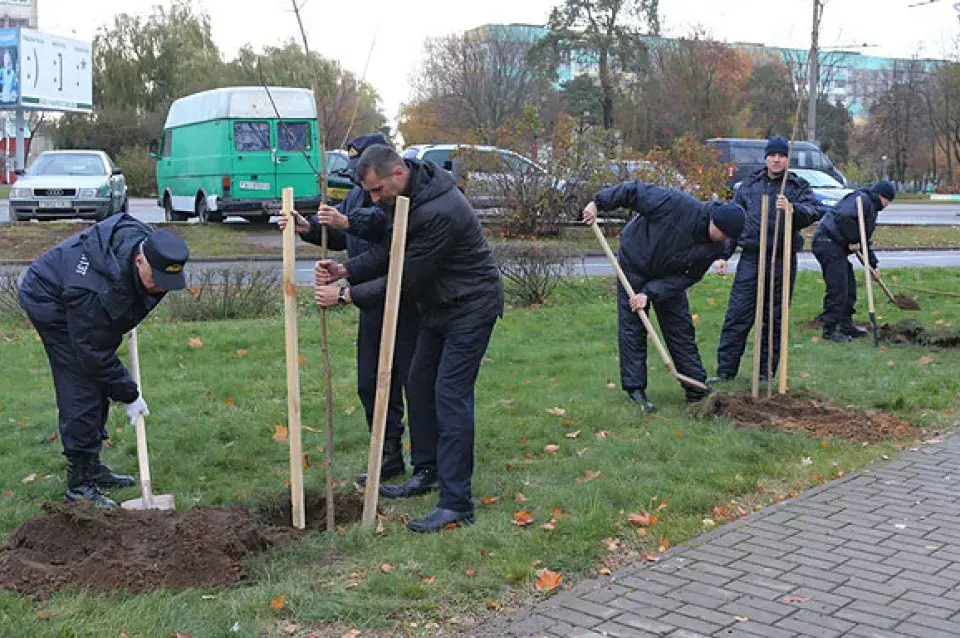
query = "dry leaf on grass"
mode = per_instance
[
  {"x": 470, "y": 572},
  {"x": 386, "y": 568},
  {"x": 602, "y": 434},
  {"x": 551, "y": 448},
  {"x": 241, "y": 352},
  {"x": 552, "y": 525},
  {"x": 29, "y": 478},
  {"x": 588, "y": 475},
  {"x": 280, "y": 433},
  {"x": 522, "y": 518},
  {"x": 520, "y": 498},
  {"x": 612, "y": 544},
  {"x": 925, "y": 361},
  {"x": 229, "y": 402},
  {"x": 572, "y": 435},
  {"x": 489, "y": 500},
  {"x": 557, "y": 411},
  {"x": 547, "y": 580},
  {"x": 195, "y": 342},
  {"x": 642, "y": 519},
  {"x": 278, "y": 603}
]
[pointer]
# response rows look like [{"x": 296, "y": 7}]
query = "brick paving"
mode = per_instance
[{"x": 875, "y": 554}]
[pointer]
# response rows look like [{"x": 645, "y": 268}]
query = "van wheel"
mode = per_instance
[
  {"x": 172, "y": 215},
  {"x": 204, "y": 214}
]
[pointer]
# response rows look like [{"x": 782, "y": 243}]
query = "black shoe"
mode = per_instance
[
  {"x": 695, "y": 396},
  {"x": 834, "y": 333},
  {"x": 439, "y": 519},
  {"x": 80, "y": 487},
  {"x": 105, "y": 478},
  {"x": 720, "y": 378},
  {"x": 639, "y": 396},
  {"x": 422, "y": 482},
  {"x": 853, "y": 330},
  {"x": 391, "y": 465}
]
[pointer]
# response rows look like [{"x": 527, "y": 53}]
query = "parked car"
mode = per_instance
[
  {"x": 744, "y": 156},
  {"x": 827, "y": 190},
  {"x": 69, "y": 184},
  {"x": 339, "y": 177},
  {"x": 225, "y": 152}
]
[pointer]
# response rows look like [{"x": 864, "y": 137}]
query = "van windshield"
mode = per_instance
[{"x": 747, "y": 154}]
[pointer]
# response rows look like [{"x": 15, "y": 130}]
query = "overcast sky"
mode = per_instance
[{"x": 344, "y": 30}]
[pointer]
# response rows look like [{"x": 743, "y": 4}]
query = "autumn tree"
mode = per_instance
[{"x": 770, "y": 100}]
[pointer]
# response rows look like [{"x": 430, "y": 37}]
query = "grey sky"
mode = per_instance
[{"x": 344, "y": 30}]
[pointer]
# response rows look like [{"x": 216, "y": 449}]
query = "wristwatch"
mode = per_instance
[{"x": 342, "y": 296}]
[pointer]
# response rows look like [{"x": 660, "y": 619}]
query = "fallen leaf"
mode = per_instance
[
  {"x": 302, "y": 360},
  {"x": 588, "y": 475},
  {"x": 741, "y": 618},
  {"x": 664, "y": 544},
  {"x": 547, "y": 580},
  {"x": 678, "y": 433},
  {"x": 291, "y": 629},
  {"x": 815, "y": 339},
  {"x": 7, "y": 493},
  {"x": 696, "y": 320},
  {"x": 612, "y": 544},
  {"x": 29, "y": 478},
  {"x": 551, "y": 448},
  {"x": 381, "y": 530},
  {"x": 611, "y": 385},
  {"x": 470, "y": 572},
  {"x": 353, "y": 633},
  {"x": 195, "y": 342},
  {"x": 925, "y": 361},
  {"x": 492, "y": 605},
  {"x": 522, "y": 518},
  {"x": 602, "y": 434},
  {"x": 804, "y": 375},
  {"x": 565, "y": 422},
  {"x": 520, "y": 498},
  {"x": 195, "y": 291},
  {"x": 489, "y": 500},
  {"x": 536, "y": 563},
  {"x": 796, "y": 599},
  {"x": 522, "y": 441},
  {"x": 229, "y": 402},
  {"x": 56, "y": 435},
  {"x": 806, "y": 461},
  {"x": 557, "y": 411},
  {"x": 429, "y": 580},
  {"x": 662, "y": 506},
  {"x": 305, "y": 462},
  {"x": 641, "y": 531},
  {"x": 528, "y": 456},
  {"x": 558, "y": 511},
  {"x": 386, "y": 568},
  {"x": 43, "y": 614},
  {"x": 278, "y": 603},
  {"x": 890, "y": 364},
  {"x": 552, "y": 525},
  {"x": 652, "y": 558},
  {"x": 572, "y": 435},
  {"x": 642, "y": 519},
  {"x": 605, "y": 571},
  {"x": 241, "y": 352},
  {"x": 280, "y": 433}
]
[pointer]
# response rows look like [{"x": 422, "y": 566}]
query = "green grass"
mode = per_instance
[
  {"x": 209, "y": 452},
  {"x": 4, "y": 192}
]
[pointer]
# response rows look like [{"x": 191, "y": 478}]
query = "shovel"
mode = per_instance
[
  {"x": 867, "y": 278},
  {"x": 903, "y": 302},
  {"x": 148, "y": 500}
]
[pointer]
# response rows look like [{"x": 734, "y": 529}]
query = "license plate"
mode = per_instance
[
  {"x": 254, "y": 186},
  {"x": 337, "y": 193},
  {"x": 56, "y": 203}
]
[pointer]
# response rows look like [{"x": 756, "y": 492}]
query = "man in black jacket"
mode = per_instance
[
  {"x": 666, "y": 248},
  {"x": 83, "y": 296},
  {"x": 798, "y": 201},
  {"x": 356, "y": 225},
  {"x": 449, "y": 271},
  {"x": 837, "y": 237}
]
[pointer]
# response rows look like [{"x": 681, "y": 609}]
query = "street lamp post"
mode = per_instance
[{"x": 883, "y": 166}]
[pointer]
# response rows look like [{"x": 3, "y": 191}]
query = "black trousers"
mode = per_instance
[
  {"x": 841, "y": 294},
  {"x": 369, "y": 331},
  {"x": 679, "y": 335},
  {"x": 82, "y": 404},
  {"x": 741, "y": 310},
  {"x": 440, "y": 393}
]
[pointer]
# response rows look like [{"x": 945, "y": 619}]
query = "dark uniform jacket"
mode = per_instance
[
  {"x": 666, "y": 247},
  {"x": 448, "y": 267},
  {"x": 749, "y": 196},
  {"x": 88, "y": 286},
  {"x": 368, "y": 225},
  {"x": 842, "y": 225}
]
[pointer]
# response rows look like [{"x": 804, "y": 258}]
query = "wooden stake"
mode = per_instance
[
  {"x": 667, "y": 361},
  {"x": 388, "y": 340},
  {"x": 761, "y": 293},
  {"x": 771, "y": 318},
  {"x": 865, "y": 256},
  {"x": 293, "y": 363},
  {"x": 785, "y": 300}
]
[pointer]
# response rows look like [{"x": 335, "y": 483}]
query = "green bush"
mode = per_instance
[
  {"x": 9, "y": 292},
  {"x": 533, "y": 269},
  {"x": 140, "y": 171}
]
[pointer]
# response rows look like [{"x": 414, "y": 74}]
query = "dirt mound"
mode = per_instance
[
  {"x": 278, "y": 512},
  {"x": 911, "y": 331},
  {"x": 814, "y": 417}
]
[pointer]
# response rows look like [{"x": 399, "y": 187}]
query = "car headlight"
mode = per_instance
[
  {"x": 104, "y": 191},
  {"x": 21, "y": 193},
  {"x": 87, "y": 193}
]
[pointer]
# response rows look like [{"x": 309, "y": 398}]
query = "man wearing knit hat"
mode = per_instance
[
  {"x": 667, "y": 247},
  {"x": 798, "y": 201},
  {"x": 837, "y": 237}
]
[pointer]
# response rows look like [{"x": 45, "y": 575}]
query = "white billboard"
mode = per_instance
[{"x": 56, "y": 74}]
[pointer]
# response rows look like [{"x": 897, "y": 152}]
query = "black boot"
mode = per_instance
[
  {"x": 420, "y": 483},
  {"x": 852, "y": 330},
  {"x": 80, "y": 486},
  {"x": 639, "y": 396},
  {"x": 835, "y": 333},
  {"x": 721, "y": 378},
  {"x": 105, "y": 478},
  {"x": 392, "y": 464},
  {"x": 440, "y": 519}
]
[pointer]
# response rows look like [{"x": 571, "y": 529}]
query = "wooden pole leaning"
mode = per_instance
[
  {"x": 771, "y": 315},
  {"x": 683, "y": 379},
  {"x": 328, "y": 394},
  {"x": 388, "y": 340},
  {"x": 293, "y": 363},
  {"x": 865, "y": 257},
  {"x": 785, "y": 300},
  {"x": 761, "y": 291}
]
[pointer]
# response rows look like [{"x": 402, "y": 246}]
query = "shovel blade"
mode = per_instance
[{"x": 160, "y": 502}]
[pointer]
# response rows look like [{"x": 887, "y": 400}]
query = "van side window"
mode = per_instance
[
  {"x": 251, "y": 136},
  {"x": 167, "y": 143},
  {"x": 294, "y": 136},
  {"x": 438, "y": 157}
]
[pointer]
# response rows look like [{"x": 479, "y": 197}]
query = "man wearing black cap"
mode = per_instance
[
  {"x": 666, "y": 248},
  {"x": 798, "y": 201},
  {"x": 83, "y": 296},
  {"x": 356, "y": 225},
  {"x": 837, "y": 237}
]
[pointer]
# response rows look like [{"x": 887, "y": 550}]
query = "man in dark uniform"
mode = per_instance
[
  {"x": 448, "y": 269},
  {"x": 356, "y": 225},
  {"x": 666, "y": 248},
  {"x": 798, "y": 201},
  {"x": 837, "y": 237},
  {"x": 83, "y": 296}
]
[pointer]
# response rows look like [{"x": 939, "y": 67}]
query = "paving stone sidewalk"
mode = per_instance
[{"x": 873, "y": 554}]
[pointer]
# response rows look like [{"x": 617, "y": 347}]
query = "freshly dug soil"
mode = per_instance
[
  {"x": 74, "y": 546},
  {"x": 911, "y": 331},
  {"x": 814, "y": 417}
]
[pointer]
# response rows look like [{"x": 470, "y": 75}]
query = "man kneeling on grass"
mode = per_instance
[{"x": 667, "y": 247}]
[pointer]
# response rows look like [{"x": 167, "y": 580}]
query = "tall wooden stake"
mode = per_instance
[
  {"x": 293, "y": 363},
  {"x": 771, "y": 316},
  {"x": 761, "y": 292},
  {"x": 865, "y": 256},
  {"x": 388, "y": 339},
  {"x": 785, "y": 301}
]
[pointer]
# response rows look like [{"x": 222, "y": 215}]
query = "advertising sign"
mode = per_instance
[
  {"x": 9, "y": 67},
  {"x": 54, "y": 73}
]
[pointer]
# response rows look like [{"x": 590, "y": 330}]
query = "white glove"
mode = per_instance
[{"x": 137, "y": 407}]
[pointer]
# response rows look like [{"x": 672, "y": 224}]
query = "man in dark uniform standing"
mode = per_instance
[
  {"x": 668, "y": 246},
  {"x": 83, "y": 296},
  {"x": 838, "y": 236},
  {"x": 448, "y": 269},
  {"x": 798, "y": 201},
  {"x": 356, "y": 225}
]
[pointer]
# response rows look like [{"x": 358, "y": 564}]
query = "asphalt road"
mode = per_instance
[{"x": 897, "y": 214}]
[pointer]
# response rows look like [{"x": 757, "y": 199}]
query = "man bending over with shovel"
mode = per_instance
[
  {"x": 83, "y": 296},
  {"x": 667, "y": 247}
]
